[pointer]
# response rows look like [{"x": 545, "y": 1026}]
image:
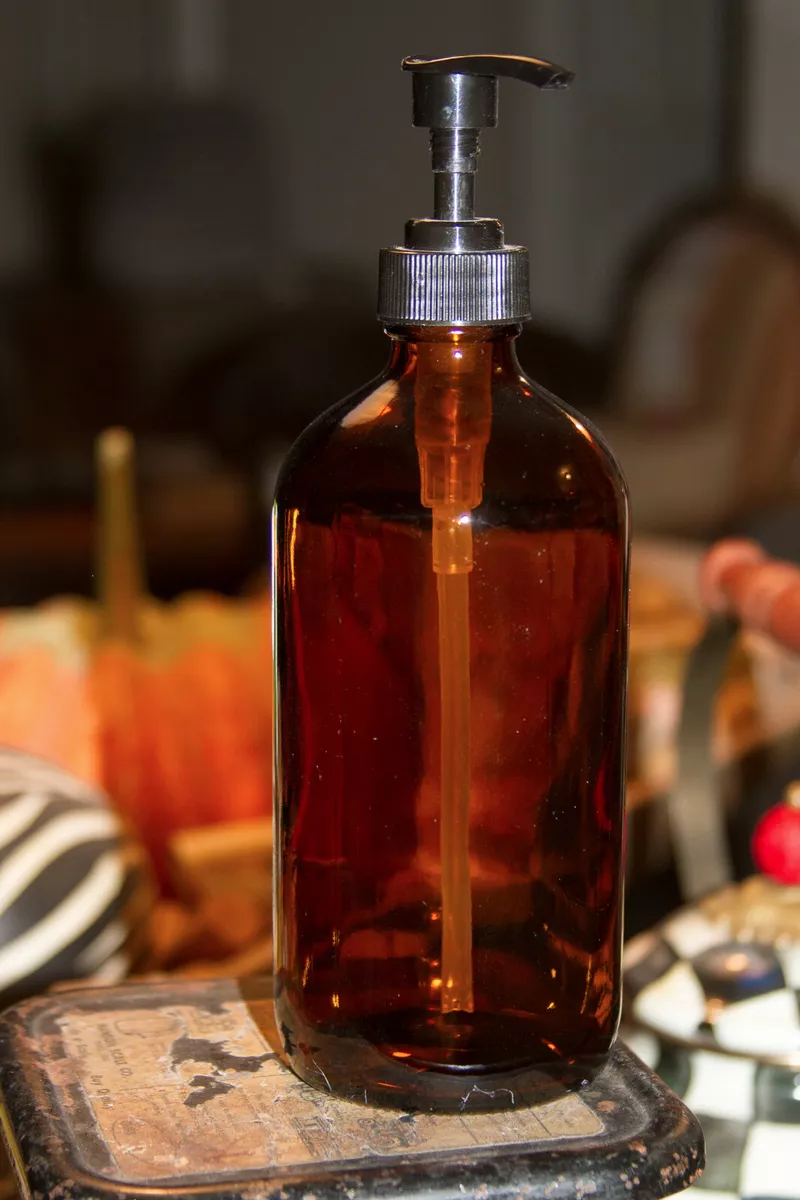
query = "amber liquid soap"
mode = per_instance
[{"x": 450, "y": 614}]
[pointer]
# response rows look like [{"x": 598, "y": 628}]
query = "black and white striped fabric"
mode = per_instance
[
  {"x": 707, "y": 1013},
  {"x": 74, "y": 888}
]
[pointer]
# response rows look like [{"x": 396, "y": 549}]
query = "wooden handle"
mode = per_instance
[{"x": 739, "y": 578}]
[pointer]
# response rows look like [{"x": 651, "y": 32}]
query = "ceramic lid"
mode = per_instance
[{"x": 723, "y": 975}]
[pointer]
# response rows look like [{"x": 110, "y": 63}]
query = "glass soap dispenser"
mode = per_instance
[{"x": 450, "y": 586}]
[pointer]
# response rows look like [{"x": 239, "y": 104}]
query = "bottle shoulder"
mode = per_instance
[
  {"x": 540, "y": 450},
  {"x": 325, "y": 429},
  {"x": 584, "y": 434}
]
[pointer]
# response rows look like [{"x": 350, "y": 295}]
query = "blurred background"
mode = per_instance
[{"x": 193, "y": 194}]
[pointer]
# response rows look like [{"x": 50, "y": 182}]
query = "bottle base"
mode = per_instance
[{"x": 423, "y": 1062}]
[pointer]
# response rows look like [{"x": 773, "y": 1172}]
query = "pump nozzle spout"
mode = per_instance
[{"x": 538, "y": 71}]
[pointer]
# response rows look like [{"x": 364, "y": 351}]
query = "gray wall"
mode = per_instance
[
  {"x": 578, "y": 176},
  {"x": 772, "y": 138}
]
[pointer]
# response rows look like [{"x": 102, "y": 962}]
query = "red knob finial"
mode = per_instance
[{"x": 776, "y": 841}]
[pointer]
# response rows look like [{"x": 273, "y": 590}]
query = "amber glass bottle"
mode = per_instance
[{"x": 450, "y": 588}]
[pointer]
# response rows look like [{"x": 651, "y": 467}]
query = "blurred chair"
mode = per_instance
[{"x": 704, "y": 402}]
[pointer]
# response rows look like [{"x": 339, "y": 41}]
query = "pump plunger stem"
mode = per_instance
[
  {"x": 484, "y": 282},
  {"x": 457, "y": 987},
  {"x": 453, "y": 415},
  {"x": 454, "y": 158}
]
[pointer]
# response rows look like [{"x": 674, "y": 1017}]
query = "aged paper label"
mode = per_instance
[{"x": 178, "y": 1092}]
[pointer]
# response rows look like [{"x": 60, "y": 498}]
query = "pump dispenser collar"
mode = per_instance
[{"x": 454, "y": 268}]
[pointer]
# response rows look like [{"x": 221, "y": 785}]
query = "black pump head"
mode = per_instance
[
  {"x": 454, "y": 269},
  {"x": 455, "y": 98}
]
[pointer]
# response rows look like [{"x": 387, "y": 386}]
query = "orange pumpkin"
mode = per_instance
[
  {"x": 167, "y": 706},
  {"x": 183, "y": 721}
]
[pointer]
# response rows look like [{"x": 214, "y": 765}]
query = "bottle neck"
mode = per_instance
[
  {"x": 410, "y": 344},
  {"x": 452, "y": 373}
]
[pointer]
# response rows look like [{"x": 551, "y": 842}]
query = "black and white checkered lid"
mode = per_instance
[
  {"x": 718, "y": 1018},
  {"x": 690, "y": 981}
]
